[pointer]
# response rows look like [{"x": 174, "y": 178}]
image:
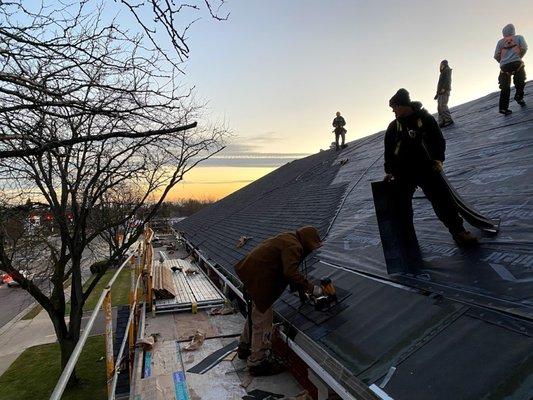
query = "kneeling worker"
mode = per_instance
[
  {"x": 414, "y": 153},
  {"x": 266, "y": 272}
]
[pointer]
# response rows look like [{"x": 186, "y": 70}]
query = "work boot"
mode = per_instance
[
  {"x": 445, "y": 124},
  {"x": 465, "y": 239},
  {"x": 506, "y": 112},
  {"x": 243, "y": 351},
  {"x": 521, "y": 102},
  {"x": 268, "y": 367}
]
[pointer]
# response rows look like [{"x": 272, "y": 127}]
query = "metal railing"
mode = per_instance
[{"x": 140, "y": 261}]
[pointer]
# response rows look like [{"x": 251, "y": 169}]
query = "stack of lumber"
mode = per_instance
[{"x": 163, "y": 282}]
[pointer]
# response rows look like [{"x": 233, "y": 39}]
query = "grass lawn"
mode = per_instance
[
  {"x": 34, "y": 374},
  {"x": 119, "y": 291},
  {"x": 33, "y": 312}
]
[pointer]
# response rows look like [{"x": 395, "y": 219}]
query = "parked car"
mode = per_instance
[{"x": 9, "y": 281}]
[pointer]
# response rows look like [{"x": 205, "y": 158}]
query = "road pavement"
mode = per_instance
[
  {"x": 12, "y": 302},
  {"x": 15, "y": 300}
]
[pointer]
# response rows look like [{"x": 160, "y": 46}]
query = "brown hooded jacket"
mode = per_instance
[{"x": 273, "y": 264}]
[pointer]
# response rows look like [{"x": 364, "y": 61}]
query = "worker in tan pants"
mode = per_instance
[
  {"x": 261, "y": 340},
  {"x": 266, "y": 272}
]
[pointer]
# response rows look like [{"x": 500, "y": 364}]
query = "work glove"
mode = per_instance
[
  {"x": 436, "y": 97},
  {"x": 437, "y": 166},
  {"x": 317, "y": 291},
  {"x": 388, "y": 178}
]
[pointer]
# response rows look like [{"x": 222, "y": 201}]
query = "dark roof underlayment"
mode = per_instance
[{"x": 461, "y": 328}]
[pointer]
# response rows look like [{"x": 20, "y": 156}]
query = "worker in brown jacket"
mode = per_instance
[{"x": 266, "y": 272}]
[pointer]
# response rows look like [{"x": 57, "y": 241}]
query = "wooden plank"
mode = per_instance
[{"x": 191, "y": 290}]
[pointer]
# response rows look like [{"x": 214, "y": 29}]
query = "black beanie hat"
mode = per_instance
[{"x": 401, "y": 98}]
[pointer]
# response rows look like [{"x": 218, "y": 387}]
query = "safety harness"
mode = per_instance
[
  {"x": 511, "y": 45},
  {"x": 412, "y": 134}
]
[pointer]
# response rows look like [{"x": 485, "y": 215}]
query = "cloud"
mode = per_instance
[
  {"x": 242, "y": 145},
  {"x": 245, "y": 151},
  {"x": 267, "y": 137},
  {"x": 215, "y": 182},
  {"x": 257, "y": 160}
]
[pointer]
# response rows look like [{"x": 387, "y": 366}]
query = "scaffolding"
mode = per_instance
[{"x": 193, "y": 289}]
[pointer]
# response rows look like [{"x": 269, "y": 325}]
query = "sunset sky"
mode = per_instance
[{"x": 277, "y": 71}]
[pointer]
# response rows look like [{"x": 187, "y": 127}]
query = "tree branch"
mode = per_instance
[{"x": 52, "y": 145}]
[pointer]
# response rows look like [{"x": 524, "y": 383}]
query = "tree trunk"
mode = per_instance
[
  {"x": 76, "y": 314},
  {"x": 66, "y": 343},
  {"x": 67, "y": 347}
]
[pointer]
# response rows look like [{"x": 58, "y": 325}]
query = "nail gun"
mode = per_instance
[{"x": 328, "y": 296}]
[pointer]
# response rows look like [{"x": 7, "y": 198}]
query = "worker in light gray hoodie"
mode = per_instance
[{"x": 509, "y": 52}]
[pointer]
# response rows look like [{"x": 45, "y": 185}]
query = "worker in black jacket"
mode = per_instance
[
  {"x": 444, "y": 88},
  {"x": 414, "y": 154},
  {"x": 338, "y": 123}
]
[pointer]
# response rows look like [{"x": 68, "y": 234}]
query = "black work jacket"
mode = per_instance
[
  {"x": 445, "y": 81},
  {"x": 339, "y": 122},
  {"x": 413, "y": 143}
]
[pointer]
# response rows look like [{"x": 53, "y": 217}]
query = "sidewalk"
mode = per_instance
[
  {"x": 24, "y": 334},
  {"x": 18, "y": 334}
]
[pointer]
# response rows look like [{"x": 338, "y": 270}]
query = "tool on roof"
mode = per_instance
[{"x": 328, "y": 296}]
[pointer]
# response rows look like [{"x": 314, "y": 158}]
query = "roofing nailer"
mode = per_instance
[{"x": 328, "y": 297}]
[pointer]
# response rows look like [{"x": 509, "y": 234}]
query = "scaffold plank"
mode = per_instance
[{"x": 193, "y": 289}]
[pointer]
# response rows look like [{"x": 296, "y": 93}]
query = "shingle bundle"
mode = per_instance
[{"x": 163, "y": 282}]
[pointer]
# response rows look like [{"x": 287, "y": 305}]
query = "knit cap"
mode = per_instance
[{"x": 401, "y": 98}]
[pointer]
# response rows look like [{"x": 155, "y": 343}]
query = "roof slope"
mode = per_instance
[{"x": 460, "y": 328}]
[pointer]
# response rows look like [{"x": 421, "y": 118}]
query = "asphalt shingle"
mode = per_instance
[{"x": 461, "y": 328}]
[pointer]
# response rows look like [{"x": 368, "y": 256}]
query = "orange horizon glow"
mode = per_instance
[{"x": 214, "y": 183}]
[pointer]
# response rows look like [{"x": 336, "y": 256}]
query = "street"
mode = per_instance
[{"x": 14, "y": 300}]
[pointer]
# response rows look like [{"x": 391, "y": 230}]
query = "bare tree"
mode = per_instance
[
  {"x": 166, "y": 13},
  {"x": 118, "y": 216},
  {"x": 93, "y": 126},
  {"x": 34, "y": 40}
]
